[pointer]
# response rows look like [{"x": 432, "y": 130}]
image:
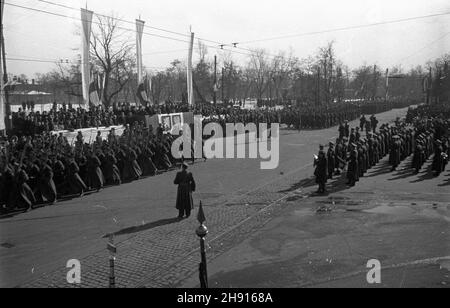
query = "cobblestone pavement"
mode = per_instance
[{"x": 168, "y": 254}]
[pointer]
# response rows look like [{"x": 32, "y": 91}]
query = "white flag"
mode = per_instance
[
  {"x": 190, "y": 85},
  {"x": 86, "y": 24},
  {"x": 139, "y": 31}
]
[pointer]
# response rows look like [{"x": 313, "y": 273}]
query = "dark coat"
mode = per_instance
[
  {"x": 331, "y": 158},
  {"x": 438, "y": 161},
  {"x": 353, "y": 168},
  {"x": 23, "y": 195},
  {"x": 394, "y": 155},
  {"x": 418, "y": 157},
  {"x": 321, "y": 171},
  {"x": 186, "y": 185},
  {"x": 112, "y": 173},
  {"x": 47, "y": 186},
  {"x": 132, "y": 171},
  {"x": 96, "y": 178},
  {"x": 75, "y": 183}
]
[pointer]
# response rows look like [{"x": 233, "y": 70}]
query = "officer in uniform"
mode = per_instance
[
  {"x": 352, "y": 169},
  {"x": 331, "y": 158},
  {"x": 321, "y": 164},
  {"x": 186, "y": 186}
]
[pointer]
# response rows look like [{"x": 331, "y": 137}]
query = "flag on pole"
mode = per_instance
[
  {"x": 86, "y": 24},
  {"x": 142, "y": 94},
  {"x": 141, "y": 91},
  {"x": 190, "y": 85},
  {"x": 100, "y": 86},
  {"x": 139, "y": 31},
  {"x": 102, "y": 89},
  {"x": 94, "y": 98},
  {"x": 148, "y": 88}
]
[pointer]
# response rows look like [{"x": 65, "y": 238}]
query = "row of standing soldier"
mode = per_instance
[
  {"x": 45, "y": 168},
  {"x": 398, "y": 141}
]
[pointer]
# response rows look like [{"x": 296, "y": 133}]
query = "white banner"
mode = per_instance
[
  {"x": 139, "y": 31},
  {"x": 86, "y": 25},
  {"x": 2, "y": 94},
  {"x": 190, "y": 85}
]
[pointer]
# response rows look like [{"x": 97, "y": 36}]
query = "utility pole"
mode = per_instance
[
  {"x": 375, "y": 82},
  {"x": 318, "y": 86},
  {"x": 223, "y": 85},
  {"x": 215, "y": 80},
  {"x": 429, "y": 87},
  {"x": 5, "y": 73},
  {"x": 387, "y": 86}
]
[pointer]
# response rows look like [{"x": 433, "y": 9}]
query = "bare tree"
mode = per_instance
[
  {"x": 113, "y": 55},
  {"x": 259, "y": 71},
  {"x": 327, "y": 63},
  {"x": 282, "y": 73}
]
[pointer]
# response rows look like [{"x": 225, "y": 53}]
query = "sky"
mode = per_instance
[{"x": 42, "y": 37}]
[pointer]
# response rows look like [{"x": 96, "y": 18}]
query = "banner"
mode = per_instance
[
  {"x": 2, "y": 89},
  {"x": 94, "y": 98},
  {"x": 190, "y": 85},
  {"x": 86, "y": 24},
  {"x": 139, "y": 31},
  {"x": 142, "y": 94},
  {"x": 148, "y": 88}
]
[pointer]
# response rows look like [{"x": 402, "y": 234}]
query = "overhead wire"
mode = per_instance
[{"x": 344, "y": 28}]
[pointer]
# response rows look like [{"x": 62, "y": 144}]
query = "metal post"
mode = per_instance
[
  {"x": 318, "y": 87},
  {"x": 8, "y": 122},
  {"x": 223, "y": 85},
  {"x": 112, "y": 251},
  {"x": 215, "y": 80},
  {"x": 201, "y": 232}
]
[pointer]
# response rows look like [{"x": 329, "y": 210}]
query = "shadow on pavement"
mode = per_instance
[
  {"x": 384, "y": 168},
  {"x": 427, "y": 175},
  {"x": 149, "y": 226},
  {"x": 308, "y": 182},
  {"x": 447, "y": 182},
  {"x": 404, "y": 173}
]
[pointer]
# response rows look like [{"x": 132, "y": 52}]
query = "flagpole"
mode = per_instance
[
  {"x": 86, "y": 24},
  {"x": 190, "y": 88},
  {"x": 139, "y": 32}
]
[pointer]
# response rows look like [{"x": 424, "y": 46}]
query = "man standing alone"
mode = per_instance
[{"x": 186, "y": 185}]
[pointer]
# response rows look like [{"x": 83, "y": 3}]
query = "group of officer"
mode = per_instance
[{"x": 421, "y": 138}]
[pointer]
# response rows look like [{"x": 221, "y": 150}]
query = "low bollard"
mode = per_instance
[
  {"x": 112, "y": 252},
  {"x": 201, "y": 232}
]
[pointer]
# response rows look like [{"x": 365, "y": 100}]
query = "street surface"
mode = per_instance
[{"x": 264, "y": 230}]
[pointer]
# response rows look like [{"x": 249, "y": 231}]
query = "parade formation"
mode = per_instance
[
  {"x": 125, "y": 166},
  {"x": 32, "y": 164},
  {"x": 424, "y": 132}
]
